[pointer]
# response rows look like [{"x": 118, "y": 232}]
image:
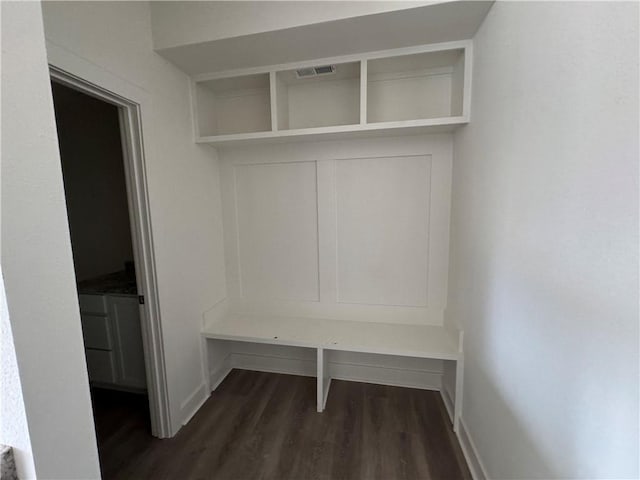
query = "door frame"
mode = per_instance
[{"x": 130, "y": 117}]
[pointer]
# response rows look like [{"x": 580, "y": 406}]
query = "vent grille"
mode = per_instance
[{"x": 315, "y": 71}]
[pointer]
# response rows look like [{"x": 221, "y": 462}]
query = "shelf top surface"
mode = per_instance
[
  {"x": 368, "y": 337},
  {"x": 404, "y": 127}
]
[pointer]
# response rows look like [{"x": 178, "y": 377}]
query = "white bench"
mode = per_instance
[{"x": 433, "y": 342}]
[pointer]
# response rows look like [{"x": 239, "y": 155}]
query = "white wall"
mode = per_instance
[
  {"x": 544, "y": 259},
  {"x": 37, "y": 264},
  {"x": 181, "y": 23},
  {"x": 114, "y": 40},
  {"x": 94, "y": 182}
]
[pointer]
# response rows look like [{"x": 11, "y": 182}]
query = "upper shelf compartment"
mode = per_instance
[
  {"x": 233, "y": 105},
  {"x": 415, "y": 87},
  {"x": 408, "y": 90},
  {"x": 318, "y": 96}
]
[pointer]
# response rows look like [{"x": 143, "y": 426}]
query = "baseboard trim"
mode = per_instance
[
  {"x": 448, "y": 402},
  {"x": 217, "y": 377},
  {"x": 470, "y": 452},
  {"x": 392, "y": 375},
  {"x": 431, "y": 386},
  {"x": 365, "y": 373},
  {"x": 193, "y": 403},
  {"x": 273, "y": 364}
]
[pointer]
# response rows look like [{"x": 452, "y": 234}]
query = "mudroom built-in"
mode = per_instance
[{"x": 321, "y": 239}]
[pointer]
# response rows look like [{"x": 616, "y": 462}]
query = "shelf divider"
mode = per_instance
[
  {"x": 274, "y": 101},
  {"x": 363, "y": 91}
]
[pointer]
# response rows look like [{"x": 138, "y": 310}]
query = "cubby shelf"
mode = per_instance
[{"x": 409, "y": 90}]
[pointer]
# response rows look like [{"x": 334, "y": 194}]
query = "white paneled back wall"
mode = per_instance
[
  {"x": 355, "y": 229},
  {"x": 277, "y": 230}
]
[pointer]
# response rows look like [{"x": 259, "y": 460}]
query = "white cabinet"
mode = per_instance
[
  {"x": 408, "y": 90},
  {"x": 125, "y": 317},
  {"x": 101, "y": 366},
  {"x": 96, "y": 331},
  {"x": 113, "y": 340}
]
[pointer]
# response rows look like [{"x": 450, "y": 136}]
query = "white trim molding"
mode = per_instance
[
  {"x": 134, "y": 108},
  {"x": 474, "y": 462}
]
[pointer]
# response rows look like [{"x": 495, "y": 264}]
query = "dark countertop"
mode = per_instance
[{"x": 122, "y": 282}]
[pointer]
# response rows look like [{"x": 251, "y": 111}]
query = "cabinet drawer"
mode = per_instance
[
  {"x": 96, "y": 331},
  {"x": 93, "y": 304},
  {"x": 101, "y": 366}
]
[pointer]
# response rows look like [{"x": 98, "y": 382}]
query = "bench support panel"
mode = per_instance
[{"x": 323, "y": 379}]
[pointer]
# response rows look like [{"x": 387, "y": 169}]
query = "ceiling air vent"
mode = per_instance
[{"x": 315, "y": 71}]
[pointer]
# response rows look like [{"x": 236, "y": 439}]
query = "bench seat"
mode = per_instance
[{"x": 366, "y": 337}]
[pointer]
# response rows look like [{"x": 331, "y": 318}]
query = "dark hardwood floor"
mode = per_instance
[
  {"x": 264, "y": 426},
  {"x": 123, "y": 428}
]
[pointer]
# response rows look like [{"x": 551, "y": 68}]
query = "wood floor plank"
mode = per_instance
[{"x": 264, "y": 426}]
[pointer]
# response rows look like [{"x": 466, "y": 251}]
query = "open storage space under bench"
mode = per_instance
[{"x": 326, "y": 336}]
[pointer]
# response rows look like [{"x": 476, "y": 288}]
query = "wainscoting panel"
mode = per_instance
[
  {"x": 355, "y": 230},
  {"x": 277, "y": 215},
  {"x": 383, "y": 230}
]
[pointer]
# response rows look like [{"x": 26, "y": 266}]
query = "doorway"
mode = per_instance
[{"x": 105, "y": 188}]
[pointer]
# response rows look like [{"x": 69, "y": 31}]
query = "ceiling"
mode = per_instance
[{"x": 433, "y": 23}]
